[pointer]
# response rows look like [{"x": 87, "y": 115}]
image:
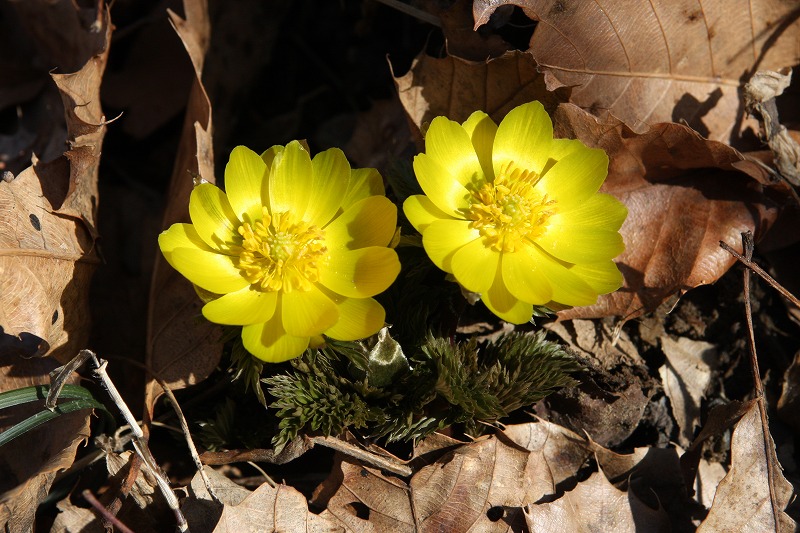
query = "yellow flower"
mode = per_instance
[
  {"x": 294, "y": 249},
  {"x": 515, "y": 215}
]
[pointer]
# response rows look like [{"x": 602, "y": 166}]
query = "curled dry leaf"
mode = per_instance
[
  {"x": 686, "y": 374},
  {"x": 684, "y": 193},
  {"x": 651, "y": 61},
  {"x": 595, "y": 505},
  {"x": 182, "y": 348},
  {"x": 47, "y": 233},
  {"x": 744, "y": 500},
  {"x": 480, "y": 486}
]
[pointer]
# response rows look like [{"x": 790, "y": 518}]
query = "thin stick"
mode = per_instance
[
  {"x": 139, "y": 442},
  {"x": 107, "y": 516},
  {"x": 417, "y": 13},
  {"x": 747, "y": 248},
  {"x": 760, "y": 271},
  {"x": 363, "y": 455},
  {"x": 188, "y": 436}
]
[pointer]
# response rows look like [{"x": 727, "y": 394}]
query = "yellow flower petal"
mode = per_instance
[
  {"x": 360, "y": 273},
  {"x": 421, "y": 212},
  {"x": 503, "y": 304},
  {"x": 363, "y": 182},
  {"x": 450, "y": 146},
  {"x": 269, "y": 342},
  {"x": 180, "y": 236},
  {"x": 307, "y": 313},
  {"x": 443, "y": 238},
  {"x": 482, "y": 130},
  {"x": 560, "y": 148},
  {"x": 213, "y": 218},
  {"x": 290, "y": 180},
  {"x": 358, "y": 318},
  {"x": 474, "y": 266},
  {"x": 331, "y": 173},
  {"x": 441, "y": 187},
  {"x": 243, "y": 307},
  {"x": 603, "y": 277},
  {"x": 268, "y": 156},
  {"x": 575, "y": 178},
  {"x": 524, "y": 137},
  {"x": 212, "y": 271},
  {"x": 568, "y": 288},
  {"x": 369, "y": 222},
  {"x": 244, "y": 183},
  {"x": 523, "y": 278},
  {"x": 601, "y": 211},
  {"x": 581, "y": 244}
]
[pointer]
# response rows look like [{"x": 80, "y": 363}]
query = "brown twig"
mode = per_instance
[
  {"x": 760, "y": 271},
  {"x": 107, "y": 516},
  {"x": 747, "y": 248},
  {"x": 364, "y": 456}
]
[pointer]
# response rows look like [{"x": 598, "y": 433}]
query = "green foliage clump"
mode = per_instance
[{"x": 441, "y": 384}]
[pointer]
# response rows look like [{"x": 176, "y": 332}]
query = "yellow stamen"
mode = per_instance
[
  {"x": 278, "y": 253},
  {"x": 510, "y": 209}
]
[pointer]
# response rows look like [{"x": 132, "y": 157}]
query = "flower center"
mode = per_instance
[
  {"x": 510, "y": 209},
  {"x": 280, "y": 254}
]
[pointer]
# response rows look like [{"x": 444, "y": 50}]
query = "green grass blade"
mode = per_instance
[
  {"x": 39, "y": 392},
  {"x": 46, "y": 415}
]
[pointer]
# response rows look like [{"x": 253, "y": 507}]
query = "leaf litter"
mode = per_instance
[{"x": 636, "y": 445}]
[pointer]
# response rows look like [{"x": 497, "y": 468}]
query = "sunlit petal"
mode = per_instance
[
  {"x": 363, "y": 182},
  {"x": 212, "y": 216},
  {"x": 575, "y": 178},
  {"x": 360, "y": 273},
  {"x": 450, "y": 146},
  {"x": 443, "y": 238},
  {"x": 581, "y": 244},
  {"x": 180, "y": 236},
  {"x": 503, "y": 304},
  {"x": 482, "y": 130},
  {"x": 269, "y": 342},
  {"x": 524, "y": 279},
  {"x": 474, "y": 266},
  {"x": 369, "y": 222},
  {"x": 601, "y": 211},
  {"x": 307, "y": 313},
  {"x": 421, "y": 212},
  {"x": 244, "y": 180},
  {"x": 331, "y": 173},
  {"x": 603, "y": 277},
  {"x": 291, "y": 180},
  {"x": 212, "y": 271},
  {"x": 245, "y": 306},
  {"x": 568, "y": 287},
  {"x": 442, "y": 188},
  {"x": 358, "y": 318},
  {"x": 524, "y": 137}
]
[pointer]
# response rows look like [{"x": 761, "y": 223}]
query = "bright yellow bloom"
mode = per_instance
[
  {"x": 294, "y": 249},
  {"x": 515, "y": 215}
]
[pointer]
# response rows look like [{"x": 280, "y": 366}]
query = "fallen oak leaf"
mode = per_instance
[
  {"x": 47, "y": 248},
  {"x": 651, "y": 61},
  {"x": 182, "y": 348}
]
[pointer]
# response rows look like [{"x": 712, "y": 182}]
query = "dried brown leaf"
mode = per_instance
[
  {"x": 684, "y": 194},
  {"x": 595, "y": 505},
  {"x": 456, "y": 87},
  {"x": 686, "y": 374},
  {"x": 744, "y": 500},
  {"x": 29, "y": 463},
  {"x": 183, "y": 348},
  {"x": 479, "y": 486},
  {"x": 47, "y": 231},
  {"x": 648, "y": 61}
]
